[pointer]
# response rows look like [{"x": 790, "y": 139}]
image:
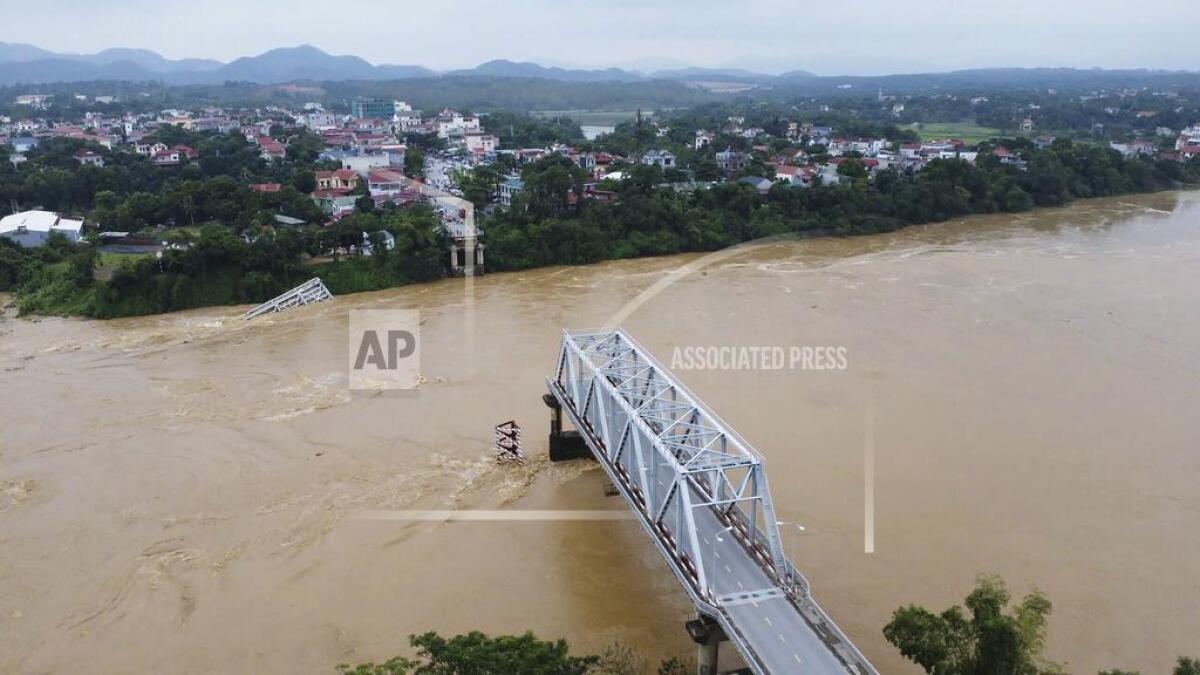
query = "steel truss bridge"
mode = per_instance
[{"x": 700, "y": 492}]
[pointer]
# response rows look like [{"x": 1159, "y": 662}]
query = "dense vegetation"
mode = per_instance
[
  {"x": 549, "y": 226},
  {"x": 220, "y": 268},
  {"x": 478, "y": 654},
  {"x": 985, "y": 639}
]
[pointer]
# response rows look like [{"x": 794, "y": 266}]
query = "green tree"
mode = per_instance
[
  {"x": 988, "y": 642},
  {"x": 477, "y": 654},
  {"x": 414, "y": 162}
]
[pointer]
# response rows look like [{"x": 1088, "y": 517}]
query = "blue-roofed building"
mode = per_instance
[
  {"x": 509, "y": 188},
  {"x": 23, "y": 144}
]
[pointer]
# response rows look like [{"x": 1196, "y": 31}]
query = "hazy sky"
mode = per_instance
[{"x": 832, "y": 37}]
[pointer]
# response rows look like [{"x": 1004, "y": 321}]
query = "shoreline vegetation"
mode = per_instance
[
  {"x": 225, "y": 244},
  {"x": 988, "y": 634},
  {"x": 221, "y": 269}
]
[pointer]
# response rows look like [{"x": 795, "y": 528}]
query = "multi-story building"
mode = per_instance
[{"x": 373, "y": 108}]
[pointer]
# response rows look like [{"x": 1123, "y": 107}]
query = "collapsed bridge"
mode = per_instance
[{"x": 700, "y": 492}]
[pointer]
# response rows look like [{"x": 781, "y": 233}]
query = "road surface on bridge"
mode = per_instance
[{"x": 701, "y": 494}]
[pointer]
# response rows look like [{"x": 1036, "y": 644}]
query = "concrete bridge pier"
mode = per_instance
[
  {"x": 708, "y": 636},
  {"x": 564, "y": 445}
]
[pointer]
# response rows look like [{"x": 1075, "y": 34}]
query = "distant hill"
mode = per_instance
[
  {"x": 296, "y": 63},
  {"x": 29, "y": 64},
  {"x": 33, "y": 65},
  {"x": 711, "y": 75},
  {"x": 504, "y": 68},
  {"x": 151, "y": 61}
]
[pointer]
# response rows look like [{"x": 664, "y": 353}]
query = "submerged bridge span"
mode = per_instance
[{"x": 700, "y": 493}]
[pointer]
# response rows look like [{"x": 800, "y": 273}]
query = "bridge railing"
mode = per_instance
[{"x": 673, "y": 453}]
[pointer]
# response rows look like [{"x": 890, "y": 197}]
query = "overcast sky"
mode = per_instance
[{"x": 833, "y": 37}]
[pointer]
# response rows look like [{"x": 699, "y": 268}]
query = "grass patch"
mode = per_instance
[
  {"x": 967, "y": 132},
  {"x": 105, "y": 259}
]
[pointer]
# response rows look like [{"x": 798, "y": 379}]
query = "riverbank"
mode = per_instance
[{"x": 136, "y": 291}]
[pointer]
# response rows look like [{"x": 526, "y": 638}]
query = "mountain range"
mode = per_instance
[{"x": 27, "y": 64}]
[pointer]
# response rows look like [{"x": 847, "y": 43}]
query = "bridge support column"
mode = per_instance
[
  {"x": 707, "y": 635},
  {"x": 564, "y": 445}
]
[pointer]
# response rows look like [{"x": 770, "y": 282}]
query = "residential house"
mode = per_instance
[
  {"x": 480, "y": 143},
  {"x": 271, "y": 149},
  {"x": 363, "y": 164},
  {"x": 186, "y": 152},
  {"x": 387, "y": 239},
  {"x": 786, "y": 173},
  {"x": 385, "y": 181},
  {"x": 333, "y": 203},
  {"x": 341, "y": 179},
  {"x": 662, "y": 158},
  {"x": 1044, "y": 141},
  {"x": 1135, "y": 148},
  {"x": 703, "y": 139},
  {"x": 88, "y": 158},
  {"x": 509, "y": 188},
  {"x": 1188, "y": 153},
  {"x": 732, "y": 161},
  {"x": 451, "y": 123},
  {"x": 23, "y": 144},
  {"x": 167, "y": 158},
  {"x": 763, "y": 185}
]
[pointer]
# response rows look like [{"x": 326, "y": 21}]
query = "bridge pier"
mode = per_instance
[
  {"x": 564, "y": 445},
  {"x": 708, "y": 635}
]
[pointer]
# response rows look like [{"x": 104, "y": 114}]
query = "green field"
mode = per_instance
[
  {"x": 592, "y": 117},
  {"x": 967, "y": 132},
  {"x": 106, "y": 259}
]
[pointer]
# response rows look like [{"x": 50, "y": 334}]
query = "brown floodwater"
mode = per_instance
[{"x": 178, "y": 493}]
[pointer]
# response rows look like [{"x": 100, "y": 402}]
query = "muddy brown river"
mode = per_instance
[{"x": 181, "y": 493}]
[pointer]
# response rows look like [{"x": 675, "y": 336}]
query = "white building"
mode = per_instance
[
  {"x": 363, "y": 164},
  {"x": 33, "y": 228},
  {"x": 663, "y": 158},
  {"x": 453, "y": 123}
]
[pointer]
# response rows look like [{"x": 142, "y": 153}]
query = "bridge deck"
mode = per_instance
[{"x": 727, "y": 558}]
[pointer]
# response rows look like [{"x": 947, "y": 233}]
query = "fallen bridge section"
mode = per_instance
[
  {"x": 313, "y": 290},
  {"x": 700, "y": 492}
]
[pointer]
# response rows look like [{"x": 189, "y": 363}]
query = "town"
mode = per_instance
[{"x": 337, "y": 178}]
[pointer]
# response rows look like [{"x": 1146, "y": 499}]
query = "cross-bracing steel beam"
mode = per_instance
[
  {"x": 632, "y": 403},
  {"x": 675, "y": 461}
]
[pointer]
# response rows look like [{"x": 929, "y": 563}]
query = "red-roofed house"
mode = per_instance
[
  {"x": 266, "y": 187},
  {"x": 166, "y": 158},
  {"x": 340, "y": 179},
  {"x": 384, "y": 181},
  {"x": 271, "y": 149},
  {"x": 88, "y": 158}
]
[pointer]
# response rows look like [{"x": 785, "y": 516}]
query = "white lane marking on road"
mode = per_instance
[
  {"x": 768, "y": 620},
  {"x": 781, "y": 639},
  {"x": 798, "y": 660}
]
